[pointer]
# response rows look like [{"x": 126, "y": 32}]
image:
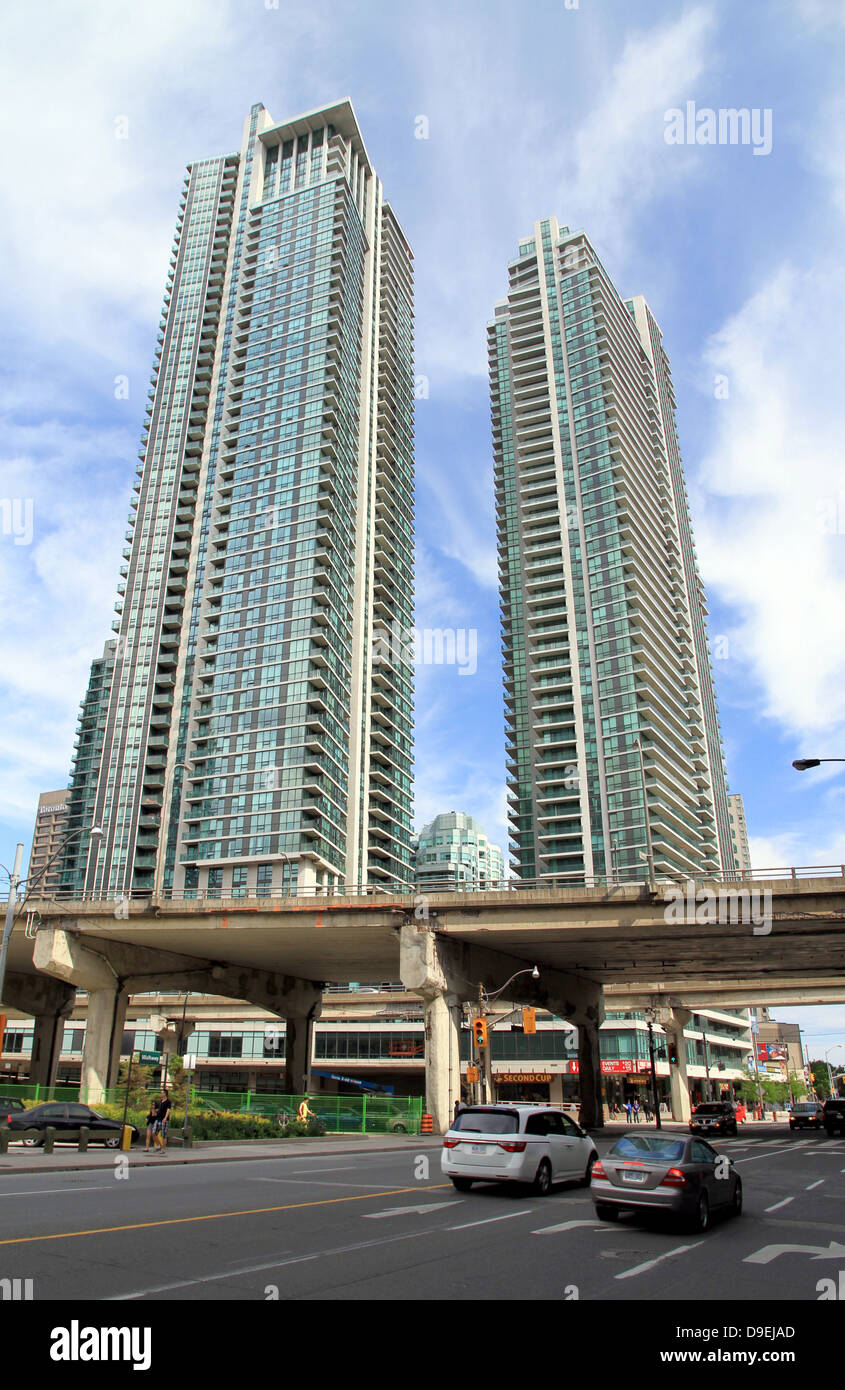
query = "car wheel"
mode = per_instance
[
  {"x": 701, "y": 1220},
  {"x": 606, "y": 1213},
  {"x": 400, "y": 1129},
  {"x": 736, "y": 1206},
  {"x": 113, "y": 1141},
  {"x": 33, "y": 1143},
  {"x": 588, "y": 1172},
  {"x": 462, "y": 1184},
  {"x": 543, "y": 1179}
]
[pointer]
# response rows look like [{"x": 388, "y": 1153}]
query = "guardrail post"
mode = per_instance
[
  {"x": 49, "y": 1136},
  {"x": 187, "y": 1137},
  {"x": 84, "y": 1132},
  {"x": 4, "y": 1141}
]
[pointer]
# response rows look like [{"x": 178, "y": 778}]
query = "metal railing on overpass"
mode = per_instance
[{"x": 409, "y": 892}]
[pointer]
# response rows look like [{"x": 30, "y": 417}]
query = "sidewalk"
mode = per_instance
[{"x": 67, "y": 1159}]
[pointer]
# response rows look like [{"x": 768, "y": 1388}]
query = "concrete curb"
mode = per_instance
[{"x": 152, "y": 1162}]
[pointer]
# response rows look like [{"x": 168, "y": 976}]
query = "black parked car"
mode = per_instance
[
  {"x": 64, "y": 1116},
  {"x": 834, "y": 1115},
  {"x": 714, "y": 1117}
]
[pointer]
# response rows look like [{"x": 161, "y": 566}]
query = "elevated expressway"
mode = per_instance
[{"x": 763, "y": 941}]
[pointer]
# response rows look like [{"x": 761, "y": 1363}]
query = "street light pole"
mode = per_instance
[
  {"x": 650, "y": 1016},
  {"x": 486, "y": 1058}
]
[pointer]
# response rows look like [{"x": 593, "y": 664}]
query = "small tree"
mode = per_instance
[{"x": 821, "y": 1079}]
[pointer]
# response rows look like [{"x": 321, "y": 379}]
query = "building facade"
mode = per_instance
[
  {"x": 613, "y": 744},
  {"x": 739, "y": 833},
  {"x": 250, "y": 742},
  {"x": 373, "y": 1038},
  {"x": 51, "y": 828},
  {"x": 453, "y": 851}
]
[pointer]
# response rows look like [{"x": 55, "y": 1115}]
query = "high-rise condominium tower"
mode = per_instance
[
  {"x": 249, "y": 741},
  {"x": 605, "y": 645}
]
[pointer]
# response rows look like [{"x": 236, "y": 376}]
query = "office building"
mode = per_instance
[
  {"x": 739, "y": 833},
  {"x": 453, "y": 851},
  {"x": 614, "y": 753},
  {"x": 50, "y": 831},
  {"x": 250, "y": 742}
]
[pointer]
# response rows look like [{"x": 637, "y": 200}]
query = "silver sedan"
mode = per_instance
[{"x": 653, "y": 1173}]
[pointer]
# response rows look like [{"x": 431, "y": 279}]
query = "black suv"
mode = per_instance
[
  {"x": 834, "y": 1115},
  {"x": 714, "y": 1117}
]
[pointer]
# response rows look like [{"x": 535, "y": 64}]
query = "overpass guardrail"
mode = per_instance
[{"x": 409, "y": 893}]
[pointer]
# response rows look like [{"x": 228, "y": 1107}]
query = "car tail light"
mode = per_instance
[
  {"x": 598, "y": 1169},
  {"x": 451, "y": 1143},
  {"x": 512, "y": 1146},
  {"x": 674, "y": 1178}
]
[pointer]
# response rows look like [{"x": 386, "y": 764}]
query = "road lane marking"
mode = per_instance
[
  {"x": 563, "y": 1226},
  {"x": 764, "y": 1256},
  {"x": 48, "y": 1191},
  {"x": 408, "y": 1211},
  {"x": 270, "y": 1264},
  {"x": 315, "y": 1182},
  {"x": 209, "y": 1216},
  {"x": 777, "y": 1206},
  {"x": 649, "y": 1264},
  {"x": 489, "y": 1219},
  {"x": 818, "y": 1183}
]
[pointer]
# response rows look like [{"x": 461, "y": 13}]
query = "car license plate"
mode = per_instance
[
  {"x": 629, "y": 1176},
  {"x": 478, "y": 1148}
]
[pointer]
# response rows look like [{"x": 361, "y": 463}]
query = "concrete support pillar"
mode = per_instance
[
  {"x": 299, "y": 1046},
  {"x": 442, "y": 1040},
  {"x": 46, "y": 1048},
  {"x": 589, "y": 1075},
  {"x": 50, "y": 1002},
  {"x": 103, "y": 1035},
  {"x": 678, "y": 1082}
]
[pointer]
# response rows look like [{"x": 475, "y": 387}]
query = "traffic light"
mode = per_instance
[
  {"x": 673, "y": 1055},
  {"x": 479, "y": 1032},
  {"x": 529, "y": 1021}
]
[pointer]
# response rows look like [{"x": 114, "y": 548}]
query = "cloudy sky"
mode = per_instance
[{"x": 543, "y": 107}]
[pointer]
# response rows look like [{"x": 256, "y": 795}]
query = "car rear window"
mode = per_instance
[
  {"x": 487, "y": 1121},
  {"x": 646, "y": 1146},
  {"x": 835, "y": 1104}
]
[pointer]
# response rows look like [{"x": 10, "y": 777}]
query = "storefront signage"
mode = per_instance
[
  {"x": 609, "y": 1068},
  {"x": 531, "y": 1078}
]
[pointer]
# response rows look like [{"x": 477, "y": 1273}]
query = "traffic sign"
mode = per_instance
[{"x": 149, "y": 1059}]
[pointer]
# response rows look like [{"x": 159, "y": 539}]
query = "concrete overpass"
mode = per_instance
[{"x": 780, "y": 939}]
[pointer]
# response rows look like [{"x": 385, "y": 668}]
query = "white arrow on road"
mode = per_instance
[
  {"x": 564, "y": 1226},
  {"x": 834, "y": 1251},
  {"x": 408, "y": 1211}
]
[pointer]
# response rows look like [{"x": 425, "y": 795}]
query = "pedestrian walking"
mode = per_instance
[
  {"x": 637, "y": 1110},
  {"x": 161, "y": 1121},
  {"x": 629, "y": 1111},
  {"x": 647, "y": 1108}
]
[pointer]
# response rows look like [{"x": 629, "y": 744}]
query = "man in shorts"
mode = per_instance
[{"x": 162, "y": 1118}]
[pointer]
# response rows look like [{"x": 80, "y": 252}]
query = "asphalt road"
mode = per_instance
[{"x": 388, "y": 1226}]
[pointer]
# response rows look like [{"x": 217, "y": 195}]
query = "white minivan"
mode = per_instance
[{"x": 532, "y": 1144}]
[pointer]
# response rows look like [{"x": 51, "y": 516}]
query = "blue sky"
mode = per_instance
[{"x": 532, "y": 109}]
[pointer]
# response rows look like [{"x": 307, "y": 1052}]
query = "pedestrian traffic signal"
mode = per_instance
[
  {"x": 529, "y": 1020},
  {"x": 479, "y": 1032}
]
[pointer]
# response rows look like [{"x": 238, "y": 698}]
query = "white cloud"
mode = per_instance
[{"x": 772, "y": 482}]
